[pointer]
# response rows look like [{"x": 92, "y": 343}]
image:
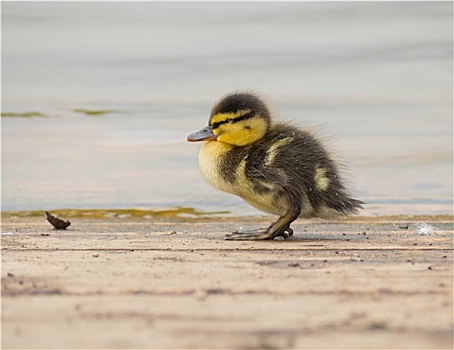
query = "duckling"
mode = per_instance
[{"x": 274, "y": 166}]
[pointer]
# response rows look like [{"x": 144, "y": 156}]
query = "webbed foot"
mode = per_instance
[
  {"x": 250, "y": 235},
  {"x": 258, "y": 235}
]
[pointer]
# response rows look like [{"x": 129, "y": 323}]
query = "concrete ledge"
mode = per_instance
[{"x": 136, "y": 283}]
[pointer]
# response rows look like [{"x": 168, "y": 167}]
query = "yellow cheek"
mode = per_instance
[
  {"x": 236, "y": 135},
  {"x": 241, "y": 133}
]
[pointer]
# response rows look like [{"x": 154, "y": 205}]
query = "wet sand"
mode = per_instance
[{"x": 176, "y": 283}]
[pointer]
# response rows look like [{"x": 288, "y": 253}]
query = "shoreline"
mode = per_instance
[{"x": 188, "y": 213}]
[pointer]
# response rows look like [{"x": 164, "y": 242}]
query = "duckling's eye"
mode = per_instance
[{"x": 247, "y": 127}]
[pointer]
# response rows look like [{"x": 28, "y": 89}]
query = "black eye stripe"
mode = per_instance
[{"x": 233, "y": 120}]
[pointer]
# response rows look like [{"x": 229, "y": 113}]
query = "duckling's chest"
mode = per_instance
[
  {"x": 225, "y": 168},
  {"x": 212, "y": 165}
]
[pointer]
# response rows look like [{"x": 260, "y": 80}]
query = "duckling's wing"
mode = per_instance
[
  {"x": 270, "y": 173},
  {"x": 276, "y": 162},
  {"x": 271, "y": 189}
]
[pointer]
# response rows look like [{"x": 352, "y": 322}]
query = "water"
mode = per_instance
[{"x": 374, "y": 78}]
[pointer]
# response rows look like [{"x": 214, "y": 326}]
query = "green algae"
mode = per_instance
[
  {"x": 187, "y": 213},
  {"x": 87, "y": 112},
  {"x": 171, "y": 213},
  {"x": 24, "y": 115},
  {"x": 92, "y": 112}
]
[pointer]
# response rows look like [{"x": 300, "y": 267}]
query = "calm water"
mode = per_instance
[{"x": 373, "y": 78}]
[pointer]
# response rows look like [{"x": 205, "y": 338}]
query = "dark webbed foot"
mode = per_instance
[
  {"x": 279, "y": 228},
  {"x": 259, "y": 234},
  {"x": 249, "y": 235}
]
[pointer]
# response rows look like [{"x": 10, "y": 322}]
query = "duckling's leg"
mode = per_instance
[{"x": 279, "y": 228}]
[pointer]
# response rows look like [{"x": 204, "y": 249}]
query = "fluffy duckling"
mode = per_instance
[{"x": 275, "y": 167}]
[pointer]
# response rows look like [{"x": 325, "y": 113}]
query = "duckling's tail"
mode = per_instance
[
  {"x": 349, "y": 206},
  {"x": 342, "y": 207}
]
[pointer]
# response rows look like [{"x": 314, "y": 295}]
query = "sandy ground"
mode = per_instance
[{"x": 136, "y": 283}]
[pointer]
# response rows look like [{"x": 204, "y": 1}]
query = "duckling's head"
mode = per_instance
[{"x": 238, "y": 119}]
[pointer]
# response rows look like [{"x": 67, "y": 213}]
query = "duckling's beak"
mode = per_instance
[{"x": 206, "y": 134}]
